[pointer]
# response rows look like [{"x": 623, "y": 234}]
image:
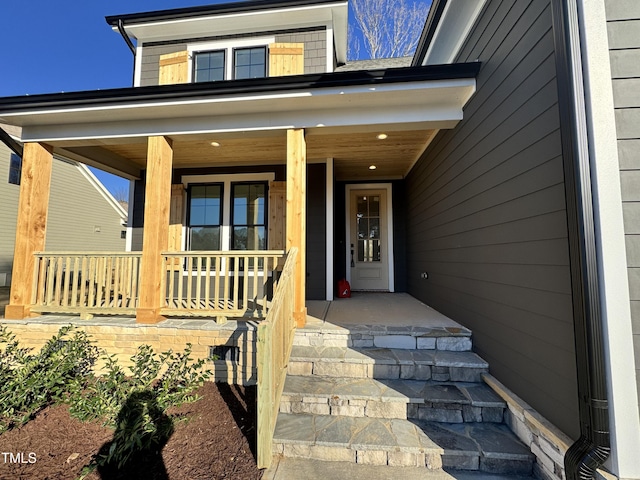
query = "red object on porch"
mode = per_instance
[{"x": 344, "y": 289}]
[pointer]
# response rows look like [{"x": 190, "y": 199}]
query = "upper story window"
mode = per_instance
[
  {"x": 232, "y": 59},
  {"x": 15, "y": 169},
  {"x": 211, "y": 66}
]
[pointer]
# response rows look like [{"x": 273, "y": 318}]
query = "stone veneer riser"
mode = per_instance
[{"x": 383, "y": 340}]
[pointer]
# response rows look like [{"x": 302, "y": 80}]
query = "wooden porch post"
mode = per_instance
[
  {"x": 297, "y": 215},
  {"x": 156, "y": 229},
  {"x": 31, "y": 229}
]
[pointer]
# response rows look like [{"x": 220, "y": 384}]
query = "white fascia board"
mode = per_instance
[
  {"x": 456, "y": 22},
  {"x": 412, "y": 102},
  {"x": 240, "y": 22}
]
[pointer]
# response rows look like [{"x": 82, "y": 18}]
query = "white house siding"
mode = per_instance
[
  {"x": 487, "y": 216},
  {"x": 623, "y": 26},
  {"x": 77, "y": 209}
]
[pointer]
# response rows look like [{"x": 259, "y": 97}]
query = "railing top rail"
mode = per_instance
[
  {"x": 226, "y": 253},
  {"x": 87, "y": 254}
]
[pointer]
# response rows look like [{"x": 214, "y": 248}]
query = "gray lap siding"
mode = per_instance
[{"x": 486, "y": 214}]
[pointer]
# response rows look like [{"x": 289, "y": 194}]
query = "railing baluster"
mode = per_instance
[
  {"x": 236, "y": 281},
  {"x": 181, "y": 275},
  {"x": 42, "y": 280},
  {"x": 50, "y": 278},
  {"x": 225, "y": 279},
  {"x": 245, "y": 284},
  {"x": 189, "y": 283},
  {"x": 134, "y": 281},
  {"x": 198, "y": 282},
  {"x": 58, "y": 281},
  {"x": 254, "y": 293},
  {"x": 207, "y": 282},
  {"x": 170, "y": 262},
  {"x": 74, "y": 287},
  {"x": 67, "y": 282},
  {"x": 92, "y": 281},
  {"x": 216, "y": 287},
  {"x": 117, "y": 261}
]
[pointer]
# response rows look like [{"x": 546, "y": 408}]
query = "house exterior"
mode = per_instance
[
  {"x": 83, "y": 214},
  {"x": 491, "y": 176}
]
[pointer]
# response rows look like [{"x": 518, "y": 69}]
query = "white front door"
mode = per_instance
[{"x": 369, "y": 252}]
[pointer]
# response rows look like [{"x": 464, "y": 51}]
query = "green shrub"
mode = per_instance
[{"x": 30, "y": 382}]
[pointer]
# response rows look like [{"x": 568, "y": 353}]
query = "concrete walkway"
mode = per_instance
[{"x": 307, "y": 469}]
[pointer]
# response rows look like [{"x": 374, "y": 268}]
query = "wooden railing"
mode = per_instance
[
  {"x": 220, "y": 284},
  {"x": 87, "y": 282},
  {"x": 275, "y": 339}
]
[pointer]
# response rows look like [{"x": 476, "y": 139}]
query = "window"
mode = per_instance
[
  {"x": 205, "y": 217},
  {"x": 250, "y": 62},
  {"x": 227, "y": 216},
  {"x": 215, "y": 62},
  {"x": 209, "y": 66},
  {"x": 15, "y": 169},
  {"x": 248, "y": 228}
]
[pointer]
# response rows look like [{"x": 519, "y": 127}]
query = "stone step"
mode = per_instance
[
  {"x": 368, "y": 397},
  {"x": 388, "y": 336},
  {"x": 387, "y": 363},
  {"x": 485, "y": 447},
  {"x": 312, "y": 469}
]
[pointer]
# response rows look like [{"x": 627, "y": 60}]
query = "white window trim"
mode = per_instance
[
  {"x": 228, "y": 46},
  {"x": 226, "y": 181}
]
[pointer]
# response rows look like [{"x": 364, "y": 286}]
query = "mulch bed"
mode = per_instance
[{"x": 216, "y": 442}]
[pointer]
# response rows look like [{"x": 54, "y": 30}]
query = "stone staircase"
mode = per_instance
[{"x": 403, "y": 396}]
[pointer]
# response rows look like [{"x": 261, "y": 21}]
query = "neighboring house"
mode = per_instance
[
  {"x": 83, "y": 215},
  {"x": 492, "y": 176}
]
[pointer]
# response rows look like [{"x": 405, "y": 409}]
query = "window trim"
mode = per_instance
[{"x": 229, "y": 45}]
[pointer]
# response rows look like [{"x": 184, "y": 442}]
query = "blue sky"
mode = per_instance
[{"x": 52, "y": 46}]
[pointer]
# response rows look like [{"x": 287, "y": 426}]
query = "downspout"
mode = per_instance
[
  {"x": 129, "y": 43},
  {"x": 591, "y": 450}
]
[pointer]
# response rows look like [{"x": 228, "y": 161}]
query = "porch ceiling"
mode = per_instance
[{"x": 353, "y": 151}]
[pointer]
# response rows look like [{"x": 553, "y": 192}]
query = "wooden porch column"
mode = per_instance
[
  {"x": 156, "y": 229},
  {"x": 31, "y": 229},
  {"x": 297, "y": 215}
]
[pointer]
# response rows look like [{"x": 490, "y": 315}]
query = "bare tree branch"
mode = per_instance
[{"x": 389, "y": 28}]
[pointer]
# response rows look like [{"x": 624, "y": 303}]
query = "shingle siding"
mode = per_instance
[
  {"x": 314, "y": 39},
  {"x": 488, "y": 218},
  {"x": 623, "y": 28}
]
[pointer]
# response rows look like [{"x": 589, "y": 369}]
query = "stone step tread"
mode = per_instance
[
  {"x": 405, "y": 391},
  {"x": 409, "y": 436},
  {"x": 387, "y": 356},
  {"x": 363, "y": 329},
  {"x": 312, "y": 469}
]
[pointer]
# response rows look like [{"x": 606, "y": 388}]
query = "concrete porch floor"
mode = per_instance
[{"x": 377, "y": 310}]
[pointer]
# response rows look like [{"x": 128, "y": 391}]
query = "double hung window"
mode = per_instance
[{"x": 15, "y": 169}]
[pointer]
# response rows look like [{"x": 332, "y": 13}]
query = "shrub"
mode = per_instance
[{"x": 29, "y": 382}]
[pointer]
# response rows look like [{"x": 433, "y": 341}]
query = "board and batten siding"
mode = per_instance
[
  {"x": 623, "y": 28},
  {"x": 80, "y": 218},
  {"x": 487, "y": 216},
  {"x": 314, "y": 39}
]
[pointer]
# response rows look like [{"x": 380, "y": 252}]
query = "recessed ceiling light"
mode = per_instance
[
  {"x": 381, "y": 136},
  {"x": 372, "y": 167},
  {"x": 215, "y": 144}
]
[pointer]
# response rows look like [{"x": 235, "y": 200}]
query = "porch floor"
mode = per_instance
[{"x": 375, "y": 311}]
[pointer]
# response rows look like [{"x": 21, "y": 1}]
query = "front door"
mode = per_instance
[{"x": 369, "y": 252}]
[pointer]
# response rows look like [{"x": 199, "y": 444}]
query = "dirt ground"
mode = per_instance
[{"x": 217, "y": 442}]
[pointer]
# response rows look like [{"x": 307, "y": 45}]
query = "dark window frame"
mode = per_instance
[
  {"x": 253, "y": 47},
  {"x": 221, "y": 212},
  {"x": 15, "y": 172},
  {"x": 232, "y": 223},
  {"x": 224, "y": 63}
]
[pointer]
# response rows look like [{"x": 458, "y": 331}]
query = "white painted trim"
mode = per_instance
[
  {"x": 458, "y": 18},
  {"x": 371, "y": 186},
  {"x": 612, "y": 259},
  {"x": 137, "y": 76},
  {"x": 329, "y": 229},
  {"x": 330, "y": 48},
  {"x": 226, "y": 180},
  {"x": 228, "y": 46}
]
